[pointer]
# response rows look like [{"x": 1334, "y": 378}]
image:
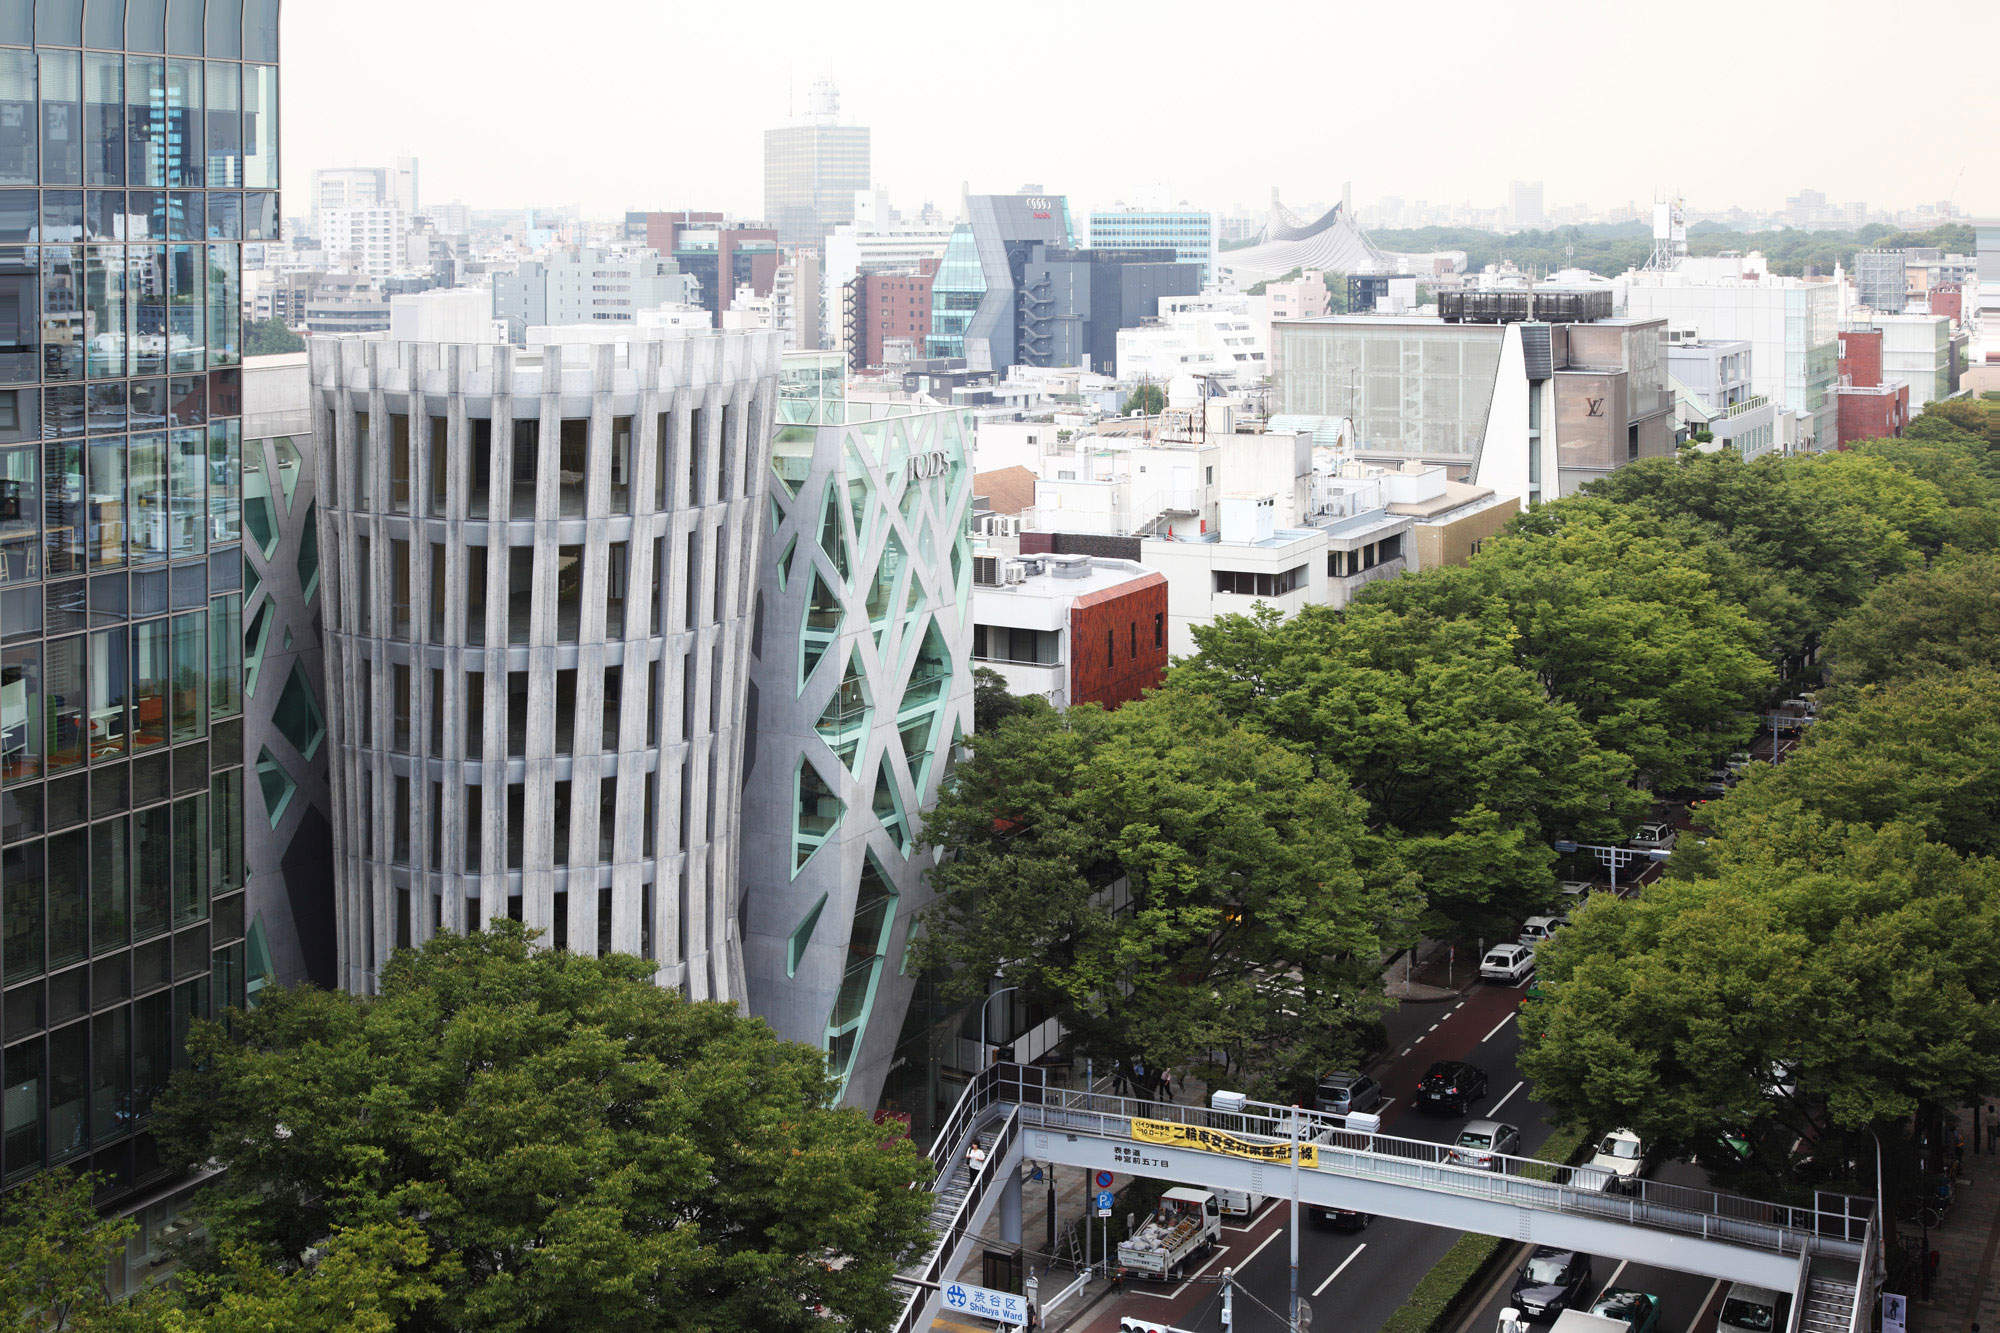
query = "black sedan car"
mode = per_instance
[
  {"x": 1553, "y": 1280},
  {"x": 1451, "y": 1085},
  {"x": 1340, "y": 1219}
]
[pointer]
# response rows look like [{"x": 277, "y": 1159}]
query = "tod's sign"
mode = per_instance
[{"x": 930, "y": 463}]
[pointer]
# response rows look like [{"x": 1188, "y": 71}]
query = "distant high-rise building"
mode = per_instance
[
  {"x": 720, "y": 255},
  {"x": 121, "y": 567},
  {"x": 1188, "y": 232},
  {"x": 812, "y": 170},
  {"x": 580, "y": 285},
  {"x": 366, "y": 238},
  {"x": 1524, "y": 205},
  {"x": 975, "y": 297}
]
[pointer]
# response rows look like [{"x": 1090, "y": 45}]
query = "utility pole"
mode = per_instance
[
  {"x": 1298, "y": 1115},
  {"x": 1228, "y": 1298}
]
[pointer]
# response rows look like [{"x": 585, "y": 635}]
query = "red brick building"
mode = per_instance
[
  {"x": 1118, "y": 641},
  {"x": 1074, "y": 629},
  {"x": 1868, "y": 409},
  {"x": 880, "y": 307},
  {"x": 1948, "y": 298},
  {"x": 1861, "y": 357}
]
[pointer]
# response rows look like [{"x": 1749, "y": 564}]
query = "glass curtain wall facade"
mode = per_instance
[
  {"x": 539, "y": 569},
  {"x": 862, "y": 695},
  {"x": 138, "y": 151},
  {"x": 1419, "y": 389}
]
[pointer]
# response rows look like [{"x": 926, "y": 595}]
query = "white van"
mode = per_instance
[
  {"x": 1651, "y": 836},
  {"x": 1748, "y": 1309}
]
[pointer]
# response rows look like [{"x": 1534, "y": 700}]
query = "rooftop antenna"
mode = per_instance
[{"x": 1670, "y": 236}]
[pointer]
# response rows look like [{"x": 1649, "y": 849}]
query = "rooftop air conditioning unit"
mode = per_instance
[{"x": 1013, "y": 572}]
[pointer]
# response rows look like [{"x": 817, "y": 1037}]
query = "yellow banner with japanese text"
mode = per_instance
[{"x": 1215, "y": 1140}]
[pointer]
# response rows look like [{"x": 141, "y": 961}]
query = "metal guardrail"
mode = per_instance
[
  {"x": 1836, "y": 1223},
  {"x": 1020, "y": 1097}
]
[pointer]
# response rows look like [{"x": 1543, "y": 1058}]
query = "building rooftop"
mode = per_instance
[
  {"x": 1456, "y": 493},
  {"x": 1103, "y": 573},
  {"x": 1008, "y": 490}
]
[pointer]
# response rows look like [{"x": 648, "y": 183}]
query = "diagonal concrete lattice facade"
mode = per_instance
[{"x": 861, "y": 696}]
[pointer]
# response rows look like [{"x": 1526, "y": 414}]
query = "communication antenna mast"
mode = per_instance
[{"x": 1670, "y": 234}]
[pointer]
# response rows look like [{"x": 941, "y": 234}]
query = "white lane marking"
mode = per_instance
[
  {"x": 1495, "y": 1108},
  {"x": 1497, "y": 1026},
  {"x": 1338, "y": 1271},
  {"x": 1406, "y": 1050},
  {"x": 1613, "y": 1281},
  {"x": 1220, "y": 1251},
  {"x": 1432, "y": 1028}
]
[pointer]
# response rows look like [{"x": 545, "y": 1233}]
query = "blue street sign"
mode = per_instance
[
  {"x": 985, "y": 1303},
  {"x": 1104, "y": 1200},
  {"x": 1104, "y": 1180}
]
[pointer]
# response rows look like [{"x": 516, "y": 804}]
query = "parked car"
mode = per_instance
[
  {"x": 1344, "y": 1091},
  {"x": 1577, "y": 890},
  {"x": 1553, "y": 1280},
  {"x": 1507, "y": 962},
  {"x": 1639, "y": 1310},
  {"x": 1718, "y": 783},
  {"x": 1654, "y": 836},
  {"x": 1739, "y": 762},
  {"x": 1341, "y": 1219},
  {"x": 1623, "y": 1154},
  {"x": 1451, "y": 1085},
  {"x": 1539, "y": 928},
  {"x": 1482, "y": 1143},
  {"x": 1749, "y": 1309}
]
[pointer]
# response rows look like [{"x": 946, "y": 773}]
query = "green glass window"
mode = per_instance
[
  {"x": 226, "y": 830},
  {"x": 110, "y": 885},
  {"x": 21, "y": 737},
  {"x": 308, "y": 564},
  {"x": 187, "y": 477},
  {"x": 225, "y": 656},
  {"x": 190, "y": 683},
  {"x": 153, "y": 868},
  {"x": 818, "y": 812},
  {"x": 276, "y": 785},
  {"x": 225, "y": 480},
  {"x": 297, "y": 716},
  {"x": 795, "y": 947}
]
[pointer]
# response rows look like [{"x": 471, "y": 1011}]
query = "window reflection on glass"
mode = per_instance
[
  {"x": 21, "y": 736},
  {"x": 106, "y": 509},
  {"x": 20, "y": 499},
  {"x": 150, "y": 668},
  {"x": 147, "y": 525},
  {"x": 188, "y": 486},
  {"x": 109, "y": 693}
]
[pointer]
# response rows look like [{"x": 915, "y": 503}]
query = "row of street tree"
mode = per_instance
[{"x": 1210, "y": 878}]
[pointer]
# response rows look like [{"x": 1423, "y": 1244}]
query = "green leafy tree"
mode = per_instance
[
  {"x": 576, "y": 1146},
  {"x": 1925, "y": 752},
  {"x": 1616, "y": 621},
  {"x": 1461, "y": 756},
  {"x": 993, "y": 704},
  {"x": 1148, "y": 398},
  {"x": 264, "y": 337},
  {"x": 54, "y": 1253},
  {"x": 55, "y": 1250},
  {"x": 1177, "y": 889},
  {"x": 1813, "y": 538},
  {"x": 1954, "y": 466},
  {"x": 1942, "y": 618},
  {"x": 1821, "y": 981}
]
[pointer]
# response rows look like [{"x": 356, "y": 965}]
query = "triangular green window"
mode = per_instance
[
  {"x": 792, "y": 456},
  {"x": 822, "y": 624},
  {"x": 867, "y": 945},
  {"x": 843, "y": 725},
  {"x": 832, "y": 539},
  {"x": 785, "y": 562},
  {"x": 882, "y": 588},
  {"x": 888, "y": 807},
  {"x": 795, "y": 947},
  {"x": 816, "y": 815}
]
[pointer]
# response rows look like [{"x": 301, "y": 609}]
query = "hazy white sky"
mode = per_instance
[{"x": 662, "y": 103}]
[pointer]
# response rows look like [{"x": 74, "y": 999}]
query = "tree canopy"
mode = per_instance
[
  {"x": 1942, "y": 618},
  {"x": 1178, "y": 889},
  {"x": 573, "y": 1146},
  {"x": 262, "y": 337},
  {"x": 1150, "y": 399}
]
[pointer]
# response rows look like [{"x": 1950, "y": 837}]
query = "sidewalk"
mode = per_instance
[{"x": 1967, "y": 1290}]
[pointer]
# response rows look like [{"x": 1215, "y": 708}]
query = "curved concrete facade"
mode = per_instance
[{"x": 540, "y": 570}]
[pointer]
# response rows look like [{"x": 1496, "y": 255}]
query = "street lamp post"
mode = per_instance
[{"x": 1614, "y": 857}]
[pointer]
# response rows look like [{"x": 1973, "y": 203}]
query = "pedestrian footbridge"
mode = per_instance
[{"x": 1809, "y": 1251}]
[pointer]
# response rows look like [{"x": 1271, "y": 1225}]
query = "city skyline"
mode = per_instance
[{"x": 1469, "y": 144}]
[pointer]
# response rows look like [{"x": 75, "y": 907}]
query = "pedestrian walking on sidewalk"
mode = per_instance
[
  {"x": 1992, "y": 1127},
  {"x": 1167, "y": 1084}
]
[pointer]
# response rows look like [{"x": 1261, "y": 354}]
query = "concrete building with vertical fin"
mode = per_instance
[{"x": 539, "y": 574}]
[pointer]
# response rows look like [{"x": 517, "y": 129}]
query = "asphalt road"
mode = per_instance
[
  {"x": 1688, "y": 1301},
  {"x": 1354, "y": 1280}
]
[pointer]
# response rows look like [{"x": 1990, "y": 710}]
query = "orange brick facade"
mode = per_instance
[{"x": 1118, "y": 642}]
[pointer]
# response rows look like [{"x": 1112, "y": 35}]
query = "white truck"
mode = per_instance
[
  {"x": 1569, "y": 1321},
  {"x": 1183, "y": 1227}
]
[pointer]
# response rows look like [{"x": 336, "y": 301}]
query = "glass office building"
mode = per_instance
[{"x": 138, "y": 152}]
